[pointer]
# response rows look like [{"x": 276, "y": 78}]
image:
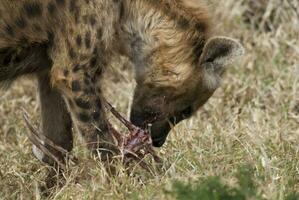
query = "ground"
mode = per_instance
[{"x": 252, "y": 120}]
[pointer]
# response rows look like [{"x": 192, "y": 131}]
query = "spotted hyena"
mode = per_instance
[{"x": 68, "y": 43}]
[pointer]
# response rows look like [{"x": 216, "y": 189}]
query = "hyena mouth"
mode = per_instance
[{"x": 159, "y": 132}]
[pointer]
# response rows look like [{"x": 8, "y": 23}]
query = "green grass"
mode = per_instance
[
  {"x": 212, "y": 188},
  {"x": 252, "y": 120}
]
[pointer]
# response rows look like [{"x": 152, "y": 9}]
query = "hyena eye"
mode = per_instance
[{"x": 187, "y": 112}]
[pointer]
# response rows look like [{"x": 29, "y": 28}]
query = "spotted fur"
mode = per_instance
[{"x": 68, "y": 43}]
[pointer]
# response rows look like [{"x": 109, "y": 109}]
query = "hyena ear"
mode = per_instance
[{"x": 220, "y": 52}]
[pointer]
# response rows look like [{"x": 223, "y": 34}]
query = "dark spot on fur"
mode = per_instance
[
  {"x": 99, "y": 90},
  {"x": 77, "y": 16},
  {"x": 75, "y": 10},
  {"x": 23, "y": 41},
  {"x": 33, "y": 9},
  {"x": 87, "y": 75},
  {"x": 65, "y": 73},
  {"x": 73, "y": 5},
  {"x": 84, "y": 117},
  {"x": 21, "y": 22},
  {"x": 76, "y": 86},
  {"x": 122, "y": 11},
  {"x": 198, "y": 47},
  {"x": 98, "y": 104},
  {"x": 37, "y": 28},
  {"x": 89, "y": 90},
  {"x": 72, "y": 53},
  {"x": 99, "y": 72},
  {"x": 183, "y": 23},
  {"x": 51, "y": 8},
  {"x": 60, "y": 2},
  {"x": 96, "y": 115},
  {"x": 7, "y": 59},
  {"x": 84, "y": 56},
  {"x": 79, "y": 40},
  {"x": 93, "y": 61},
  {"x": 88, "y": 40},
  {"x": 17, "y": 59},
  {"x": 173, "y": 15},
  {"x": 64, "y": 81},
  {"x": 50, "y": 36},
  {"x": 95, "y": 51},
  {"x": 201, "y": 27},
  {"x": 85, "y": 19},
  {"x": 99, "y": 33},
  {"x": 9, "y": 30},
  {"x": 92, "y": 20},
  {"x": 76, "y": 68},
  {"x": 87, "y": 81},
  {"x": 82, "y": 103},
  {"x": 71, "y": 30},
  {"x": 94, "y": 79}
]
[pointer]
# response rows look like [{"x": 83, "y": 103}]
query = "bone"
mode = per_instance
[
  {"x": 133, "y": 147},
  {"x": 34, "y": 136},
  {"x": 137, "y": 144}
]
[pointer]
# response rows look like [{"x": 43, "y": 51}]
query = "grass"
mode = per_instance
[
  {"x": 212, "y": 188},
  {"x": 252, "y": 120}
]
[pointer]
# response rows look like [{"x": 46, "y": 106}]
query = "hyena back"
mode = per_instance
[{"x": 68, "y": 43}]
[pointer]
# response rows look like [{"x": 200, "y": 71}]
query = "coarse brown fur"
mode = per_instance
[{"x": 178, "y": 64}]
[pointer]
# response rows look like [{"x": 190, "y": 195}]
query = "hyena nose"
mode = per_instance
[{"x": 159, "y": 142}]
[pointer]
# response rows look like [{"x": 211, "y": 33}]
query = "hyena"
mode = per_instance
[{"x": 68, "y": 44}]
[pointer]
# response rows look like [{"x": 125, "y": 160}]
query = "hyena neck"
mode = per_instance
[
  {"x": 147, "y": 29},
  {"x": 136, "y": 24}
]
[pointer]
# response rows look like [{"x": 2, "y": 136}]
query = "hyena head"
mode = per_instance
[{"x": 178, "y": 65}]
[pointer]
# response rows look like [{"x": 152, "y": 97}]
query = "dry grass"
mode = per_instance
[{"x": 252, "y": 119}]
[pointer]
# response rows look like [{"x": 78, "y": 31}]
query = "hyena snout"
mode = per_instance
[{"x": 158, "y": 125}]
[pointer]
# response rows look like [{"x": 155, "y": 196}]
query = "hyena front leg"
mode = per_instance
[
  {"x": 83, "y": 97},
  {"x": 56, "y": 121}
]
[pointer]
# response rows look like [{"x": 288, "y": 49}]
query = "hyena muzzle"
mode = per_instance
[{"x": 68, "y": 44}]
